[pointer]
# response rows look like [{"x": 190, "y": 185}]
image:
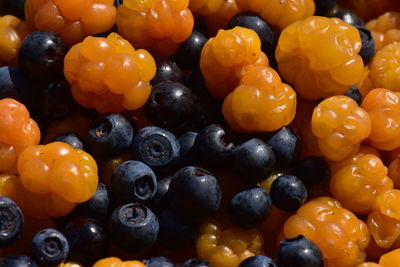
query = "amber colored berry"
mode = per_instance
[
  {"x": 369, "y": 264},
  {"x": 226, "y": 57},
  {"x": 60, "y": 169},
  {"x": 220, "y": 18},
  {"x": 12, "y": 33},
  {"x": 366, "y": 84},
  {"x": 205, "y": 7},
  {"x": 383, "y": 107},
  {"x": 340, "y": 126},
  {"x": 69, "y": 264},
  {"x": 227, "y": 247},
  {"x": 356, "y": 184},
  {"x": 116, "y": 262},
  {"x": 312, "y": 59},
  {"x": 108, "y": 74},
  {"x": 384, "y": 68},
  {"x": 385, "y": 29},
  {"x": 73, "y": 20},
  {"x": 341, "y": 237},
  {"x": 261, "y": 102},
  {"x": 156, "y": 25},
  {"x": 280, "y": 13},
  {"x": 390, "y": 259},
  {"x": 18, "y": 131}
]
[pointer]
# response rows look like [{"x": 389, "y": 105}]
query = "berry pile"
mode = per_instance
[{"x": 200, "y": 133}]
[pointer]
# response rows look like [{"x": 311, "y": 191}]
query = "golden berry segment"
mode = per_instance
[
  {"x": 385, "y": 66},
  {"x": 385, "y": 29},
  {"x": 220, "y": 18},
  {"x": 116, "y": 262},
  {"x": 205, "y": 7},
  {"x": 390, "y": 259}
]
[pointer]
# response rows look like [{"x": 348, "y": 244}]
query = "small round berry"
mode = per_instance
[
  {"x": 258, "y": 261},
  {"x": 49, "y": 247},
  {"x": 11, "y": 221},
  {"x": 166, "y": 70},
  {"x": 288, "y": 192},
  {"x": 188, "y": 54}
]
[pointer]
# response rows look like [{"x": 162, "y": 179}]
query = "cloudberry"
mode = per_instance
[
  {"x": 319, "y": 57},
  {"x": 69, "y": 264},
  {"x": 73, "y": 20},
  {"x": 157, "y": 25},
  {"x": 205, "y": 7},
  {"x": 385, "y": 66},
  {"x": 356, "y": 184},
  {"x": 341, "y": 237},
  {"x": 385, "y": 29},
  {"x": 366, "y": 84},
  {"x": 18, "y": 132},
  {"x": 260, "y": 103},
  {"x": 60, "y": 169},
  {"x": 340, "y": 126},
  {"x": 220, "y": 18},
  {"x": 369, "y": 264},
  {"x": 108, "y": 74},
  {"x": 225, "y": 58},
  {"x": 390, "y": 259},
  {"x": 227, "y": 247},
  {"x": 116, "y": 262},
  {"x": 383, "y": 107},
  {"x": 284, "y": 12}
]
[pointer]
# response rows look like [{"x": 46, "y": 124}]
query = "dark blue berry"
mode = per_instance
[
  {"x": 286, "y": 146},
  {"x": 166, "y": 70},
  {"x": 288, "y": 192},
  {"x": 117, "y": 3},
  {"x": 159, "y": 261},
  {"x": 258, "y": 261},
  {"x": 13, "y": 7},
  {"x": 159, "y": 200},
  {"x": 70, "y": 139},
  {"x": 196, "y": 83},
  {"x": 195, "y": 262},
  {"x": 347, "y": 16},
  {"x": 250, "y": 207},
  {"x": 194, "y": 193},
  {"x": 157, "y": 148},
  {"x": 323, "y": 6},
  {"x": 252, "y": 161},
  {"x": 355, "y": 94},
  {"x": 110, "y": 135},
  {"x": 17, "y": 261},
  {"x": 133, "y": 227},
  {"x": 49, "y": 247},
  {"x": 368, "y": 45},
  {"x": 187, "y": 152},
  {"x": 299, "y": 252},
  {"x": 133, "y": 181},
  {"x": 188, "y": 54},
  {"x": 11, "y": 222}
]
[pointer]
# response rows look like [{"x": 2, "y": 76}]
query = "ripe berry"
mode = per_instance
[
  {"x": 166, "y": 70},
  {"x": 188, "y": 54},
  {"x": 258, "y": 261},
  {"x": 187, "y": 152},
  {"x": 11, "y": 221},
  {"x": 288, "y": 192},
  {"x": 17, "y": 261},
  {"x": 347, "y": 16},
  {"x": 70, "y": 139},
  {"x": 49, "y": 247},
  {"x": 195, "y": 262},
  {"x": 159, "y": 261},
  {"x": 368, "y": 45},
  {"x": 159, "y": 201},
  {"x": 354, "y": 93}
]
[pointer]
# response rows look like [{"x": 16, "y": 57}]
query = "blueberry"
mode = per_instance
[
  {"x": 176, "y": 233},
  {"x": 323, "y": 6},
  {"x": 196, "y": 83},
  {"x": 252, "y": 161},
  {"x": 347, "y": 16},
  {"x": 195, "y": 262},
  {"x": 17, "y": 261},
  {"x": 70, "y": 139},
  {"x": 117, "y": 3},
  {"x": 188, "y": 54},
  {"x": 159, "y": 261},
  {"x": 187, "y": 152},
  {"x": 41, "y": 56},
  {"x": 368, "y": 45},
  {"x": 194, "y": 193},
  {"x": 159, "y": 199},
  {"x": 288, "y": 192},
  {"x": 213, "y": 145},
  {"x": 299, "y": 252},
  {"x": 258, "y": 261},
  {"x": 13, "y": 7},
  {"x": 157, "y": 148},
  {"x": 250, "y": 207},
  {"x": 286, "y": 146},
  {"x": 110, "y": 135},
  {"x": 88, "y": 240},
  {"x": 166, "y": 70},
  {"x": 133, "y": 227},
  {"x": 11, "y": 222},
  {"x": 355, "y": 94},
  {"x": 49, "y": 247}
]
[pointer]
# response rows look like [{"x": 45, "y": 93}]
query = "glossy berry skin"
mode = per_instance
[
  {"x": 250, "y": 207},
  {"x": 17, "y": 261},
  {"x": 194, "y": 193},
  {"x": 341, "y": 237},
  {"x": 187, "y": 151},
  {"x": 385, "y": 29},
  {"x": 219, "y": 19},
  {"x": 286, "y": 146},
  {"x": 355, "y": 94},
  {"x": 319, "y": 68},
  {"x": 12, "y": 220},
  {"x": 49, "y": 247},
  {"x": 252, "y": 161},
  {"x": 110, "y": 135},
  {"x": 88, "y": 240},
  {"x": 285, "y": 13},
  {"x": 383, "y": 108},
  {"x": 70, "y": 139},
  {"x": 323, "y": 6},
  {"x": 368, "y": 45},
  {"x": 159, "y": 261},
  {"x": 133, "y": 227},
  {"x": 72, "y": 20},
  {"x": 227, "y": 247},
  {"x": 41, "y": 56},
  {"x": 347, "y": 16},
  {"x": 116, "y": 262},
  {"x": 383, "y": 68},
  {"x": 188, "y": 54},
  {"x": 108, "y": 74},
  {"x": 288, "y": 192},
  {"x": 167, "y": 70},
  {"x": 156, "y": 147},
  {"x": 340, "y": 125},
  {"x": 299, "y": 252},
  {"x": 176, "y": 233},
  {"x": 19, "y": 132},
  {"x": 258, "y": 261},
  {"x": 253, "y": 105},
  {"x": 133, "y": 181},
  {"x": 195, "y": 262},
  {"x": 159, "y": 201},
  {"x": 389, "y": 258},
  {"x": 159, "y": 26}
]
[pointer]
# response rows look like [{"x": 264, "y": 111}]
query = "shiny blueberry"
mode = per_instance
[
  {"x": 258, "y": 261},
  {"x": 17, "y": 261},
  {"x": 188, "y": 54},
  {"x": 187, "y": 152},
  {"x": 11, "y": 222},
  {"x": 323, "y": 6},
  {"x": 70, "y": 139},
  {"x": 368, "y": 45},
  {"x": 195, "y": 81},
  {"x": 133, "y": 228},
  {"x": 49, "y": 247},
  {"x": 159, "y": 261},
  {"x": 288, "y": 192},
  {"x": 159, "y": 200},
  {"x": 299, "y": 252},
  {"x": 167, "y": 70},
  {"x": 347, "y": 16},
  {"x": 355, "y": 94},
  {"x": 195, "y": 262}
]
